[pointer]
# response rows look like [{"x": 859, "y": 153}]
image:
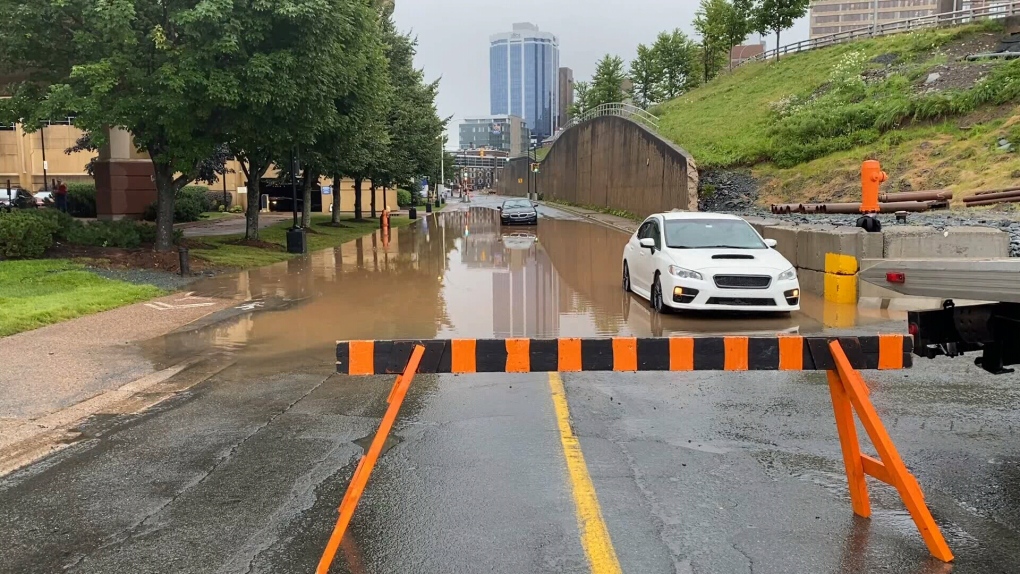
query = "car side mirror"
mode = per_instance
[
  {"x": 771, "y": 243},
  {"x": 533, "y": 204},
  {"x": 648, "y": 243},
  {"x": 500, "y": 208}
]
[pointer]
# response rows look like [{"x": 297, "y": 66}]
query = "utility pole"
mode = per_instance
[{"x": 45, "y": 177}]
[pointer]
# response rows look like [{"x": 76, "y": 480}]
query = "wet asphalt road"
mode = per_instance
[{"x": 699, "y": 473}]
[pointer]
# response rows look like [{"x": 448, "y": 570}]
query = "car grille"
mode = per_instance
[
  {"x": 742, "y": 301},
  {"x": 522, "y": 215},
  {"x": 743, "y": 281}
]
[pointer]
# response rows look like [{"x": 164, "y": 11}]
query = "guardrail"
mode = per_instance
[{"x": 973, "y": 14}]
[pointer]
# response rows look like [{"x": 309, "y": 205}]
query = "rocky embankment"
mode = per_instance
[{"x": 737, "y": 193}]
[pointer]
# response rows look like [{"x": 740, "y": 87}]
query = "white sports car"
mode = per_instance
[{"x": 708, "y": 261}]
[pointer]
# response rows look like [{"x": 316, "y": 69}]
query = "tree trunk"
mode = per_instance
[
  {"x": 336, "y": 200},
  {"x": 777, "y": 43},
  {"x": 166, "y": 195},
  {"x": 372, "y": 201},
  {"x": 306, "y": 207},
  {"x": 357, "y": 198}
]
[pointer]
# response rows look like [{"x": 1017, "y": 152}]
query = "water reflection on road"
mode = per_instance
[{"x": 459, "y": 274}]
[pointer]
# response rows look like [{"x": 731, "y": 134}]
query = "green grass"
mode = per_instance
[
  {"x": 214, "y": 215},
  {"x": 807, "y": 121},
  {"x": 601, "y": 209},
  {"x": 225, "y": 252},
  {"x": 41, "y": 292}
]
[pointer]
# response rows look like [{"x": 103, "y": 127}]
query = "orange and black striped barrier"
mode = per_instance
[
  {"x": 786, "y": 353},
  {"x": 841, "y": 357}
]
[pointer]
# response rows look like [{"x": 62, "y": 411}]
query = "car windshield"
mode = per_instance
[
  {"x": 516, "y": 203},
  {"x": 712, "y": 234}
]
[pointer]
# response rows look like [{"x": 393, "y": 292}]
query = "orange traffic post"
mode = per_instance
[
  {"x": 364, "y": 469},
  {"x": 872, "y": 177},
  {"x": 849, "y": 390}
]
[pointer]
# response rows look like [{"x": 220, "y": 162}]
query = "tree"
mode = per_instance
[
  {"x": 289, "y": 63},
  {"x": 778, "y": 15},
  {"x": 739, "y": 24},
  {"x": 678, "y": 58},
  {"x": 710, "y": 21},
  {"x": 606, "y": 85},
  {"x": 582, "y": 99},
  {"x": 137, "y": 65},
  {"x": 646, "y": 75}
]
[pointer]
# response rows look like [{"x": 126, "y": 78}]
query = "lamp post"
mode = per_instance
[{"x": 295, "y": 235}]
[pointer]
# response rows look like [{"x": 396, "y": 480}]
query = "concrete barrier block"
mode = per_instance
[
  {"x": 908, "y": 242},
  {"x": 760, "y": 223},
  {"x": 787, "y": 237},
  {"x": 815, "y": 242},
  {"x": 812, "y": 281}
]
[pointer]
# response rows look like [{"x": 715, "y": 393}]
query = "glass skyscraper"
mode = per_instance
[{"x": 524, "y": 77}]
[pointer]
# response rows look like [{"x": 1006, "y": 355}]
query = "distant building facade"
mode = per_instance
[
  {"x": 566, "y": 96},
  {"x": 504, "y": 133},
  {"x": 835, "y": 16},
  {"x": 523, "y": 77},
  {"x": 741, "y": 54}
]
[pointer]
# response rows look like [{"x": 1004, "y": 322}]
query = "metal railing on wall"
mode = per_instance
[
  {"x": 977, "y": 12},
  {"x": 620, "y": 109}
]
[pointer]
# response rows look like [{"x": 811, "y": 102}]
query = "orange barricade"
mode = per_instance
[
  {"x": 367, "y": 462},
  {"x": 839, "y": 357}
]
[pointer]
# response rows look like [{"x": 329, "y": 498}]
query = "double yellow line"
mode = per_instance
[{"x": 598, "y": 547}]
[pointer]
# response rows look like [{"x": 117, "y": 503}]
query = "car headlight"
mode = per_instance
[
  {"x": 787, "y": 275},
  {"x": 682, "y": 273}
]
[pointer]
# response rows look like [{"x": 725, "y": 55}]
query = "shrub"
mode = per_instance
[
  {"x": 25, "y": 234},
  {"x": 106, "y": 234},
  {"x": 237, "y": 209},
  {"x": 404, "y": 198},
  {"x": 198, "y": 194},
  {"x": 214, "y": 199},
  {"x": 81, "y": 199},
  {"x": 186, "y": 208}
]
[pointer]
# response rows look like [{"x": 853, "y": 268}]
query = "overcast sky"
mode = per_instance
[{"x": 453, "y": 37}]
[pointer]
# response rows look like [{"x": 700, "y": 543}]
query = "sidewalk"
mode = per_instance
[
  {"x": 54, "y": 376},
  {"x": 623, "y": 224},
  {"x": 228, "y": 225}
]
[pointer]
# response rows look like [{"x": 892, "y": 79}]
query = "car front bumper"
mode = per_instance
[
  {"x": 530, "y": 220},
  {"x": 779, "y": 297}
]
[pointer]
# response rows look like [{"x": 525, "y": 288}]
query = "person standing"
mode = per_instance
[{"x": 60, "y": 196}]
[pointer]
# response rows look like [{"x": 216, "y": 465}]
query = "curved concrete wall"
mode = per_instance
[{"x": 615, "y": 163}]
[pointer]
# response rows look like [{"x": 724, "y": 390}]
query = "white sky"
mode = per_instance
[{"x": 453, "y": 37}]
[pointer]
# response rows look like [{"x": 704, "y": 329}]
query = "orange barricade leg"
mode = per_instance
[
  {"x": 849, "y": 394},
  {"x": 367, "y": 462}
]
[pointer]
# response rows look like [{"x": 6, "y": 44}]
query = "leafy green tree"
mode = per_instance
[
  {"x": 582, "y": 99},
  {"x": 143, "y": 66},
  {"x": 679, "y": 59},
  {"x": 710, "y": 21},
  {"x": 290, "y": 62},
  {"x": 606, "y": 85},
  {"x": 646, "y": 74},
  {"x": 778, "y": 15},
  {"x": 740, "y": 23}
]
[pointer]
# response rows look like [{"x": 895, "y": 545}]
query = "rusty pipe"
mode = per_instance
[
  {"x": 1001, "y": 191},
  {"x": 892, "y": 207},
  {"x": 931, "y": 195},
  {"x": 987, "y": 196},
  {"x": 1014, "y": 199}
]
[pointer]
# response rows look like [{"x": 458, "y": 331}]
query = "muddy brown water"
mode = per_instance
[{"x": 458, "y": 273}]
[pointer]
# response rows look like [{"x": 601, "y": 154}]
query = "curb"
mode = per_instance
[{"x": 588, "y": 216}]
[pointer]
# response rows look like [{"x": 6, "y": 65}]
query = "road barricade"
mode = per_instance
[{"x": 841, "y": 357}]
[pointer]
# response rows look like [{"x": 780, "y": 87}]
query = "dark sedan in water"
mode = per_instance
[{"x": 518, "y": 212}]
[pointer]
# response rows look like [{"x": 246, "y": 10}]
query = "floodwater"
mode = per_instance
[{"x": 457, "y": 273}]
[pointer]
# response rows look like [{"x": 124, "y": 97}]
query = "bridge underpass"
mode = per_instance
[{"x": 694, "y": 472}]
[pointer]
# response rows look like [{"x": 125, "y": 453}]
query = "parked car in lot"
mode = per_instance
[
  {"x": 18, "y": 198},
  {"x": 708, "y": 261},
  {"x": 518, "y": 212},
  {"x": 44, "y": 198}
]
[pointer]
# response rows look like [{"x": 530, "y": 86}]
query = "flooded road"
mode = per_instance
[
  {"x": 694, "y": 473},
  {"x": 459, "y": 274}
]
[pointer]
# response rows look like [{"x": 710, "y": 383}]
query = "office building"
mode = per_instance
[
  {"x": 503, "y": 133},
  {"x": 566, "y": 96},
  {"x": 524, "y": 77},
  {"x": 835, "y": 16}
]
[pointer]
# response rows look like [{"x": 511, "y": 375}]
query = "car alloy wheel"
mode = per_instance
[
  {"x": 657, "y": 303},
  {"x": 626, "y": 278}
]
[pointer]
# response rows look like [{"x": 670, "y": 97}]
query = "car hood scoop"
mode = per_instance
[{"x": 732, "y": 256}]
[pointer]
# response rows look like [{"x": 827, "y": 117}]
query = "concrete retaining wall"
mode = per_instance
[
  {"x": 611, "y": 162},
  {"x": 828, "y": 257}
]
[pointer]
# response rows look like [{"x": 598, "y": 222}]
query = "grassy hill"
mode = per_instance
[{"x": 804, "y": 124}]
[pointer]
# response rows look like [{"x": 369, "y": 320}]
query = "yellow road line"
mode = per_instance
[{"x": 594, "y": 535}]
